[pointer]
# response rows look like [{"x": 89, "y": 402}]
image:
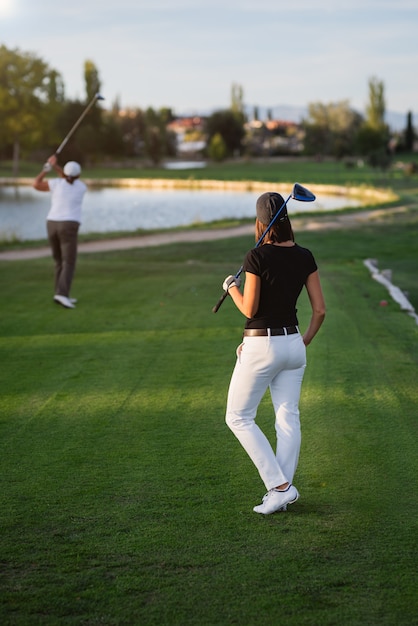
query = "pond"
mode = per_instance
[{"x": 23, "y": 210}]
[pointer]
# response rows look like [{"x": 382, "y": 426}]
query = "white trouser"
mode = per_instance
[{"x": 277, "y": 363}]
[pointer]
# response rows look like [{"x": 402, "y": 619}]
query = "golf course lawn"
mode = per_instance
[{"x": 125, "y": 499}]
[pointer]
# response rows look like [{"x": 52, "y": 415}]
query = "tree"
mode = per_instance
[
  {"x": 55, "y": 86},
  {"x": 154, "y": 144},
  {"x": 28, "y": 93},
  {"x": 237, "y": 100},
  {"x": 56, "y": 101},
  {"x": 111, "y": 136},
  {"x": 330, "y": 129},
  {"x": 133, "y": 125},
  {"x": 158, "y": 141},
  {"x": 93, "y": 87},
  {"x": 373, "y": 136},
  {"x": 229, "y": 126},
  {"x": 87, "y": 142},
  {"x": 217, "y": 148},
  {"x": 376, "y": 108},
  {"x": 92, "y": 80},
  {"x": 409, "y": 133}
]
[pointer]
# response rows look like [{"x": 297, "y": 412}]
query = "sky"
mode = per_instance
[{"x": 187, "y": 54}]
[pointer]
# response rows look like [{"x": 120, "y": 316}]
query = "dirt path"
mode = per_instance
[{"x": 347, "y": 220}]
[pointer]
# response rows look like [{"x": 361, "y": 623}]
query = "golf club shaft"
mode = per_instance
[
  {"x": 77, "y": 124},
  {"x": 225, "y": 293}
]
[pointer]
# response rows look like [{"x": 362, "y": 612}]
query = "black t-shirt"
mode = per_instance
[{"x": 283, "y": 272}]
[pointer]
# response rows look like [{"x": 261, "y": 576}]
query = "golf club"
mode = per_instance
[
  {"x": 74, "y": 128},
  {"x": 298, "y": 193}
]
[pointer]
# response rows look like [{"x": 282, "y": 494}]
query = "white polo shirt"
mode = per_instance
[{"x": 66, "y": 200}]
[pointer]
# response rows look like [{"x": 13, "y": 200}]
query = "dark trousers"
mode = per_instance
[{"x": 63, "y": 240}]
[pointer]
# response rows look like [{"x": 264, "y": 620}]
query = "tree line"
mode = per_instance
[{"x": 35, "y": 116}]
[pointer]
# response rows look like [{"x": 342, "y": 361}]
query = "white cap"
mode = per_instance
[{"x": 72, "y": 168}]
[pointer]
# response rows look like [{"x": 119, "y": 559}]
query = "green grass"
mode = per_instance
[{"x": 126, "y": 500}]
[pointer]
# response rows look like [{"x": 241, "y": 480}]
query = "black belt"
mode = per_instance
[{"x": 264, "y": 332}]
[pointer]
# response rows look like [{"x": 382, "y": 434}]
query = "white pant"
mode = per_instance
[{"x": 277, "y": 363}]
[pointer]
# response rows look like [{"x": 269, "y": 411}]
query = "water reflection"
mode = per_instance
[{"x": 23, "y": 210}]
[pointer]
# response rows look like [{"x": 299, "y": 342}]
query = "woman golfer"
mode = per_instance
[
  {"x": 63, "y": 221},
  {"x": 273, "y": 352}
]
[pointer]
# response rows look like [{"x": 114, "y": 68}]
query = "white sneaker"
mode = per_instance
[
  {"x": 73, "y": 300},
  {"x": 281, "y": 509},
  {"x": 276, "y": 500},
  {"x": 64, "y": 301}
]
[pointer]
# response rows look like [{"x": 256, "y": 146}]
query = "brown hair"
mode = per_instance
[{"x": 279, "y": 231}]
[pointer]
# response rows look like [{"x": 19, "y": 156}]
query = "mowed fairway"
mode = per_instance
[{"x": 125, "y": 500}]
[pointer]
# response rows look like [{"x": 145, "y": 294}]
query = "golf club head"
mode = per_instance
[
  {"x": 99, "y": 97},
  {"x": 302, "y": 194}
]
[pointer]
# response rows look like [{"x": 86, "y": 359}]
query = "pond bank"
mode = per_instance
[{"x": 368, "y": 195}]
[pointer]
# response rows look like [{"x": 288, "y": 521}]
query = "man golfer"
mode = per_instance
[{"x": 63, "y": 222}]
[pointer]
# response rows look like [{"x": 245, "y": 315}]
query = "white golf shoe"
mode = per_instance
[
  {"x": 276, "y": 500},
  {"x": 64, "y": 301}
]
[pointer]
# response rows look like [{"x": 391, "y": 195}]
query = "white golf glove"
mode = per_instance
[
  {"x": 47, "y": 167},
  {"x": 231, "y": 281}
]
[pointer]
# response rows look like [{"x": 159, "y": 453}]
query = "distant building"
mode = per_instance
[
  {"x": 273, "y": 137},
  {"x": 190, "y": 135},
  {"x": 267, "y": 138}
]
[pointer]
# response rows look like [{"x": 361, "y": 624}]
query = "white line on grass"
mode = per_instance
[{"x": 384, "y": 278}]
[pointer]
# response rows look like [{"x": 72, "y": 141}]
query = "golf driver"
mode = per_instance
[
  {"x": 298, "y": 193},
  {"x": 47, "y": 166}
]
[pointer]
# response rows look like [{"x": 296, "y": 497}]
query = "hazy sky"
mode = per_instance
[{"x": 186, "y": 54}]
